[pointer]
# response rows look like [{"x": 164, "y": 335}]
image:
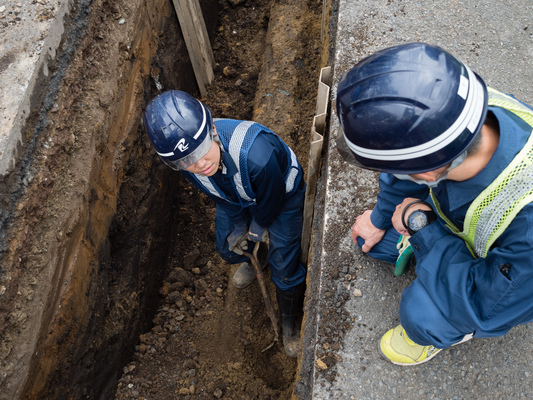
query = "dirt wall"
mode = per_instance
[
  {"x": 70, "y": 295},
  {"x": 92, "y": 214}
]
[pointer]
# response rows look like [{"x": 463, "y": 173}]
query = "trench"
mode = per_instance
[
  {"x": 207, "y": 338},
  {"x": 159, "y": 318}
]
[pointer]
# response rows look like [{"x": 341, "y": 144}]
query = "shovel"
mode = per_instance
[{"x": 266, "y": 297}]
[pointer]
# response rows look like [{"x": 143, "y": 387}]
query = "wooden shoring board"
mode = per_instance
[{"x": 194, "y": 32}]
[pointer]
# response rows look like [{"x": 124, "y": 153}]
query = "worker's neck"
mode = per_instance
[{"x": 474, "y": 164}]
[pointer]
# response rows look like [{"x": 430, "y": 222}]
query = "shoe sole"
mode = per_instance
[
  {"x": 466, "y": 338},
  {"x": 437, "y": 351},
  {"x": 244, "y": 286}
]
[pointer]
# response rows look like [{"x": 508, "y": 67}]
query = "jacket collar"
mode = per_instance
[{"x": 514, "y": 133}]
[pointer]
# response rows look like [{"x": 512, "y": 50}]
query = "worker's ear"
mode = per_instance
[{"x": 214, "y": 129}]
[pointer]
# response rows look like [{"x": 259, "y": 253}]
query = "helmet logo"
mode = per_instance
[{"x": 182, "y": 146}]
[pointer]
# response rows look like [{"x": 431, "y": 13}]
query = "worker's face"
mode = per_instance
[
  {"x": 428, "y": 178},
  {"x": 431, "y": 176},
  {"x": 208, "y": 164}
]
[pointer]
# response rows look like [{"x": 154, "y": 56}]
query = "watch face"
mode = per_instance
[{"x": 417, "y": 220}]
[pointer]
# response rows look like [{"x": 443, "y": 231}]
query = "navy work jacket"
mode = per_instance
[
  {"x": 472, "y": 293},
  {"x": 267, "y": 166}
]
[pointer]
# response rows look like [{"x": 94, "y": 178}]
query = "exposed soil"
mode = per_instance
[
  {"x": 94, "y": 222},
  {"x": 207, "y": 337}
]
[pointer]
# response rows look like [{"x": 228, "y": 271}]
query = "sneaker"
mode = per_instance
[
  {"x": 244, "y": 276},
  {"x": 397, "y": 348}
]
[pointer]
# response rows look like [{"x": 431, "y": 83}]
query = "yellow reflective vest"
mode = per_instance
[{"x": 495, "y": 208}]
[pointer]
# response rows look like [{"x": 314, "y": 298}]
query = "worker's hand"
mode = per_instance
[
  {"x": 365, "y": 229},
  {"x": 241, "y": 247},
  {"x": 258, "y": 236},
  {"x": 237, "y": 240},
  {"x": 397, "y": 216}
]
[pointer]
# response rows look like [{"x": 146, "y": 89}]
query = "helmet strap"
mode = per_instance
[{"x": 222, "y": 154}]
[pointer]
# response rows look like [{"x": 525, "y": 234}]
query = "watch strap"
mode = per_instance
[
  {"x": 408, "y": 206},
  {"x": 430, "y": 215}
]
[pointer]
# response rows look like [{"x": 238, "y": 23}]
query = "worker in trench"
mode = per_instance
[
  {"x": 257, "y": 184},
  {"x": 456, "y": 181}
]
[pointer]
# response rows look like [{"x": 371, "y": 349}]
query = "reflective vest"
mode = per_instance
[
  {"x": 495, "y": 208},
  {"x": 237, "y": 144}
]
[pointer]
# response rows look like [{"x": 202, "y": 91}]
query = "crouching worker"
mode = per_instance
[
  {"x": 456, "y": 162},
  {"x": 256, "y": 182}
]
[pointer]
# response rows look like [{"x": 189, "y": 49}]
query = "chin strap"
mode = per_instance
[{"x": 221, "y": 164}]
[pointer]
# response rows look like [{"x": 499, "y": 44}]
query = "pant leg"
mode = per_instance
[
  {"x": 285, "y": 233},
  {"x": 423, "y": 321},
  {"x": 224, "y": 226},
  {"x": 419, "y": 315}
]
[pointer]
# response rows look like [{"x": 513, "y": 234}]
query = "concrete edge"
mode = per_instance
[{"x": 35, "y": 91}]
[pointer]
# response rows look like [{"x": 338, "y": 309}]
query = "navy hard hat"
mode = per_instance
[
  {"x": 180, "y": 128},
  {"x": 409, "y": 109}
]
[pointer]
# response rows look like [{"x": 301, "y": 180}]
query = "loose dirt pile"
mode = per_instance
[{"x": 207, "y": 337}]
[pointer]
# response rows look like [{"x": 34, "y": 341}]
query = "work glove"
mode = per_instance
[
  {"x": 237, "y": 240},
  {"x": 257, "y": 234},
  {"x": 405, "y": 257}
]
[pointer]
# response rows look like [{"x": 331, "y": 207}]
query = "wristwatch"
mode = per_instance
[{"x": 419, "y": 219}]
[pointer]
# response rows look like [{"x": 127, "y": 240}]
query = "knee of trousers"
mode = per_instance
[
  {"x": 386, "y": 249},
  {"x": 229, "y": 256}
]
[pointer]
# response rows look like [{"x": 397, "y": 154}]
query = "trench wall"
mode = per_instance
[{"x": 78, "y": 267}]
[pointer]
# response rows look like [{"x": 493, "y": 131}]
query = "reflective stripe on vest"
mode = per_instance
[
  {"x": 206, "y": 183},
  {"x": 293, "y": 173},
  {"x": 495, "y": 208},
  {"x": 234, "y": 150}
]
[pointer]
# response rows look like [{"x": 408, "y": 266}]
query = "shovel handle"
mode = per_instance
[{"x": 266, "y": 297}]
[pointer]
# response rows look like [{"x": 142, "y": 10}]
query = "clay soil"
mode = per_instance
[{"x": 207, "y": 338}]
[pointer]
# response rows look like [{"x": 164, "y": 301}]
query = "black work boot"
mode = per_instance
[{"x": 290, "y": 306}]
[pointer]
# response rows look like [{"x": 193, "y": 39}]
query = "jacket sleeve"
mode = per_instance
[
  {"x": 486, "y": 296},
  {"x": 392, "y": 192}
]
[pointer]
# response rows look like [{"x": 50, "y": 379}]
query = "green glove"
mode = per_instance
[{"x": 406, "y": 254}]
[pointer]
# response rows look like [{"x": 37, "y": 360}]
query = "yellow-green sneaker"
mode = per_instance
[{"x": 397, "y": 348}]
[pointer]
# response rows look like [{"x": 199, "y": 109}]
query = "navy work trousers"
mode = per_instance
[
  {"x": 285, "y": 233},
  {"x": 419, "y": 315}
]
